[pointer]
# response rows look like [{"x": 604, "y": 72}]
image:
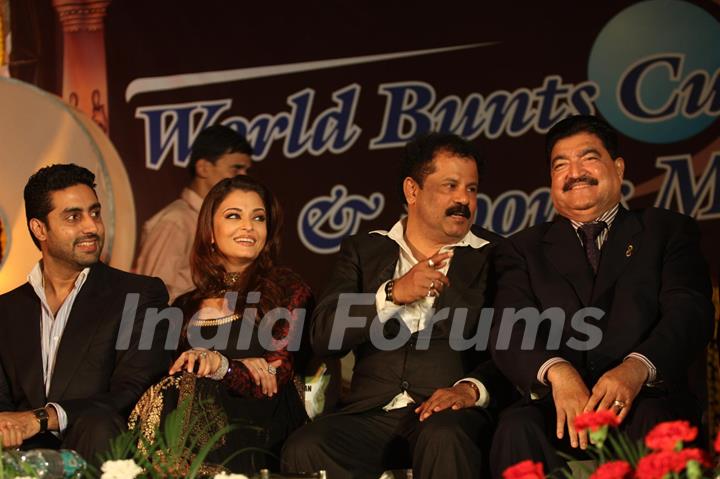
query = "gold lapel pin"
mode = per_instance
[{"x": 629, "y": 250}]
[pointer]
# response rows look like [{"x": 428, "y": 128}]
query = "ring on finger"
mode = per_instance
[
  {"x": 618, "y": 404},
  {"x": 431, "y": 263},
  {"x": 272, "y": 370}
]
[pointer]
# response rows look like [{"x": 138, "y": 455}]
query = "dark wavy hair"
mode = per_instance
[
  {"x": 420, "y": 152},
  {"x": 208, "y": 273},
  {"x": 575, "y": 124},
  {"x": 41, "y": 185}
]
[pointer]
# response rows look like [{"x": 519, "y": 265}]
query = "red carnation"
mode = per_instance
[
  {"x": 594, "y": 420},
  {"x": 657, "y": 464},
  {"x": 693, "y": 454},
  {"x": 666, "y": 435},
  {"x": 717, "y": 443},
  {"x": 613, "y": 470},
  {"x": 525, "y": 470}
]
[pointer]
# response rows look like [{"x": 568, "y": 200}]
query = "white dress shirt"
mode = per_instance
[
  {"x": 52, "y": 327},
  {"x": 416, "y": 315}
]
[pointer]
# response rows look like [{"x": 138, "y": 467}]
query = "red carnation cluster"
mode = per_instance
[
  {"x": 613, "y": 470},
  {"x": 594, "y": 420},
  {"x": 657, "y": 464},
  {"x": 666, "y": 435},
  {"x": 525, "y": 470},
  {"x": 717, "y": 443}
]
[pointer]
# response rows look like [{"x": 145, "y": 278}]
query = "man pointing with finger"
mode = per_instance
[{"x": 428, "y": 403}]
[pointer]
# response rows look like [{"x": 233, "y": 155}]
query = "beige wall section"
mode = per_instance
[{"x": 38, "y": 129}]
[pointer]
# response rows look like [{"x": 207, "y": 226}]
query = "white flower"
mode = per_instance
[
  {"x": 126, "y": 469},
  {"x": 224, "y": 475}
]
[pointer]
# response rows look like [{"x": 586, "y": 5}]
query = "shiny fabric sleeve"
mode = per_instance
[{"x": 238, "y": 379}]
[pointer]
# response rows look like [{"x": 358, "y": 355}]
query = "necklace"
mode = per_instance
[{"x": 215, "y": 321}]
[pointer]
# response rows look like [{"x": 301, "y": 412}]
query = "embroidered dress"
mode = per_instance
[{"x": 260, "y": 423}]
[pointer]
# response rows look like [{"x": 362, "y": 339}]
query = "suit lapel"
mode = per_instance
[
  {"x": 622, "y": 243},
  {"x": 562, "y": 247},
  {"x": 466, "y": 264},
  {"x": 26, "y": 343},
  {"x": 381, "y": 264},
  {"x": 79, "y": 331}
]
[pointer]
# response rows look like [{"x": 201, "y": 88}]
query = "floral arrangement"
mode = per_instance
[{"x": 662, "y": 455}]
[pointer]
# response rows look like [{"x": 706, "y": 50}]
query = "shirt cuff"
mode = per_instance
[
  {"x": 61, "y": 414},
  {"x": 385, "y": 309},
  {"x": 652, "y": 372},
  {"x": 483, "y": 397},
  {"x": 542, "y": 372}
]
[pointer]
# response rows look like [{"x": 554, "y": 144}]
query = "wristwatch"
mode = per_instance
[
  {"x": 41, "y": 415},
  {"x": 388, "y": 290}
]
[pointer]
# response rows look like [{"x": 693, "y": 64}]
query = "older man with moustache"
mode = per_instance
[
  {"x": 424, "y": 403},
  {"x": 642, "y": 270}
]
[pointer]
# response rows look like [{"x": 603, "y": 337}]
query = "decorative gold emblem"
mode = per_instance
[{"x": 629, "y": 251}]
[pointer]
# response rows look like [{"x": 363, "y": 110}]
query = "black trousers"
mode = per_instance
[
  {"x": 89, "y": 436},
  {"x": 363, "y": 445},
  {"x": 526, "y": 430}
]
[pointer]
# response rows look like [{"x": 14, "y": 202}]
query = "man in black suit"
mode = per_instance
[
  {"x": 420, "y": 396},
  {"x": 644, "y": 275},
  {"x": 70, "y": 366}
]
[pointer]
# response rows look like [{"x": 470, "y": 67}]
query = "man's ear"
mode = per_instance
[
  {"x": 201, "y": 168},
  {"x": 410, "y": 189},
  {"x": 620, "y": 167},
  {"x": 39, "y": 229}
]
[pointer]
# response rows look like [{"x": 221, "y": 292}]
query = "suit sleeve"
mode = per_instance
[
  {"x": 685, "y": 321},
  {"x": 515, "y": 292},
  {"x": 135, "y": 369},
  {"x": 6, "y": 403},
  {"x": 342, "y": 320}
]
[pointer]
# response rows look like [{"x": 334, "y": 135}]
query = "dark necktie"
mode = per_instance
[{"x": 589, "y": 233}]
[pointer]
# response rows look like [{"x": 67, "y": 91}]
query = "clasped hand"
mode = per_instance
[
  {"x": 615, "y": 390},
  {"x": 208, "y": 362},
  {"x": 15, "y": 427}
]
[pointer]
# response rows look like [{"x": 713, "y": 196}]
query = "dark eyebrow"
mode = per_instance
[
  {"x": 77, "y": 209},
  {"x": 258, "y": 209}
]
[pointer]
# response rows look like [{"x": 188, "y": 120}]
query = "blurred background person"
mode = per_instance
[
  {"x": 167, "y": 237},
  {"x": 242, "y": 381}
]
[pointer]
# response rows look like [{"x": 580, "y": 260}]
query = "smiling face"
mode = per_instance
[
  {"x": 444, "y": 207},
  {"x": 73, "y": 232},
  {"x": 240, "y": 229},
  {"x": 585, "y": 180}
]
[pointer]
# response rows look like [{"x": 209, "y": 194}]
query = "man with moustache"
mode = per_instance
[
  {"x": 423, "y": 404},
  {"x": 63, "y": 382},
  {"x": 642, "y": 270}
]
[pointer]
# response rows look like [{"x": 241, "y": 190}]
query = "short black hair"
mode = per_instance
[
  {"x": 573, "y": 125},
  {"x": 38, "y": 203},
  {"x": 216, "y": 141},
  {"x": 419, "y": 153}
]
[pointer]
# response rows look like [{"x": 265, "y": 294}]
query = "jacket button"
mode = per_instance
[{"x": 404, "y": 385}]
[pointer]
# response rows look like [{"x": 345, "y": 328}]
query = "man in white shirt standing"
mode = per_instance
[
  {"x": 65, "y": 381},
  {"x": 420, "y": 397},
  {"x": 217, "y": 153}
]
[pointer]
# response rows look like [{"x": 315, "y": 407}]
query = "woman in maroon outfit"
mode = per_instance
[{"x": 235, "y": 367}]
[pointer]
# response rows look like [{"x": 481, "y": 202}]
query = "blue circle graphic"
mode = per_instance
[{"x": 648, "y": 61}]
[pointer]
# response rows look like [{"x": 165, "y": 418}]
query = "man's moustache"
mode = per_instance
[
  {"x": 462, "y": 210},
  {"x": 588, "y": 180},
  {"x": 88, "y": 238}
]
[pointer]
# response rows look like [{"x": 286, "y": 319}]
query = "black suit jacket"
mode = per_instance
[
  {"x": 652, "y": 284},
  {"x": 365, "y": 262},
  {"x": 89, "y": 371}
]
